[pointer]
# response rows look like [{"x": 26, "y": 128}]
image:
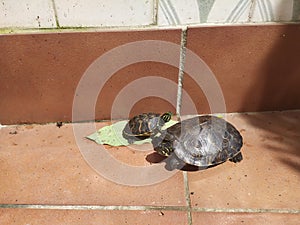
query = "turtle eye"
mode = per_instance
[{"x": 166, "y": 116}]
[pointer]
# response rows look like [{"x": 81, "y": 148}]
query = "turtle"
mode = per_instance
[
  {"x": 145, "y": 125},
  {"x": 201, "y": 141}
]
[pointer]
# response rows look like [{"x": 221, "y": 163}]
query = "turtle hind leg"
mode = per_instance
[
  {"x": 237, "y": 158},
  {"x": 173, "y": 163}
]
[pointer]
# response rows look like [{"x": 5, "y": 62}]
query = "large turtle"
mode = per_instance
[
  {"x": 144, "y": 126},
  {"x": 200, "y": 141}
]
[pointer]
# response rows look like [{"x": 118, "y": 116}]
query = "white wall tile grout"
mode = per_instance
[
  {"x": 55, "y": 13},
  {"x": 25, "y": 30},
  {"x": 155, "y": 12}
]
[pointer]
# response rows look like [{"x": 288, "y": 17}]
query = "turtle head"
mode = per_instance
[
  {"x": 164, "y": 147},
  {"x": 166, "y": 117}
]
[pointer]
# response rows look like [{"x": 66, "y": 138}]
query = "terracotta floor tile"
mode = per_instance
[
  {"x": 245, "y": 218},
  {"x": 41, "y": 164},
  {"x": 269, "y": 175},
  {"x": 77, "y": 217}
]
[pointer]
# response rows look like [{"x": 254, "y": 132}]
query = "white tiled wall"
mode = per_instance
[
  {"x": 172, "y": 12},
  {"x": 92, "y": 13},
  {"x": 106, "y": 13},
  {"x": 275, "y": 10},
  {"x": 177, "y": 12},
  {"x": 28, "y": 14},
  {"x": 232, "y": 11}
]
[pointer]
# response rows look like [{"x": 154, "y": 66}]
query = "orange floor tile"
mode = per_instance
[{"x": 46, "y": 180}]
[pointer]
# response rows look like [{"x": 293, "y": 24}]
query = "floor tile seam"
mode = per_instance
[
  {"x": 104, "y": 121},
  {"x": 181, "y": 65},
  {"x": 94, "y": 207},
  {"x": 154, "y": 208},
  {"x": 187, "y": 197},
  {"x": 246, "y": 210}
]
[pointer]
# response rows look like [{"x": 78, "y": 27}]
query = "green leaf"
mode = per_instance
[{"x": 112, "y": 134}]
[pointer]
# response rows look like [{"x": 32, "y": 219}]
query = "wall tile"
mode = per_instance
[
  {"x": 213, "y": 11},
  {"x": 296, "y": 10},
  {"x": 256, "y": 66},
  {"x": 177, "y": 12},
  {"x": 232, "y": 11},
  {"x": 40, "y": 73},
  {"x": 28, "y": 13},
  {"x": 104, "y": 13},
  {"x": 273, "y": 10}
]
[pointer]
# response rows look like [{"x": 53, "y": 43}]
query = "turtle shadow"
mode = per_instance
[{"x": 154, "y": 158}]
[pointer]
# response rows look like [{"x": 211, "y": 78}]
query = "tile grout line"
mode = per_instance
[
  {"x": 99, "y": 121},
  {"x": 55, "y": 13},
  {"x": 181, "y": 69},
  {"x": 167, "y": 208},
  {"x": 70, "y": 29},
  {"x": 155, "y": 12},
  {"x": 247, "y": 210},
  {"x": 92, "y": 207},
  {"x": 187, "y": 197}
]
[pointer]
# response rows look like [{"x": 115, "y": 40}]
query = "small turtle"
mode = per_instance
[
  {"x": 200, "y": 141},
  {"x": 144, "y": 126}
]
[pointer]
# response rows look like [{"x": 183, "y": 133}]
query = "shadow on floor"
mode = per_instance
[{"x": 281, "y": 89}]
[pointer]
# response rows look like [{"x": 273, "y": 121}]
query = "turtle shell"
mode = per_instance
[
  {"x": 205, "y": 141},
  {"x": 144, "y": 125}
]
